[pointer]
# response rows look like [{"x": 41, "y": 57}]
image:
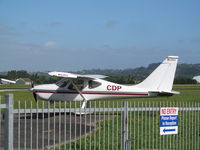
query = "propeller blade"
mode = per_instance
[
  {"x": 34, "y": 94},
  {"x": 32, "y": 84},
  {"x": 35, "y": 97}
]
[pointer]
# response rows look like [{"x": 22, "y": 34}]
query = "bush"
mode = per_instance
[{"x": 184, "y": 81}]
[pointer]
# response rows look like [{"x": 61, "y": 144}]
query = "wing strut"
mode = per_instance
[{"x": 84, "y": 99}]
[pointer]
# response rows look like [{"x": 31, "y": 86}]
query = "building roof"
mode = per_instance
[{"x": 24, "y": 79}]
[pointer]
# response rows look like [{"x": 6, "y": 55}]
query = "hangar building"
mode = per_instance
[{"x": 24, "y": 81}]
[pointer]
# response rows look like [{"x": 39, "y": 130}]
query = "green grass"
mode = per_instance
[
  {"x": 186, "y": 86},
  {"x": 13, "y": 86}
]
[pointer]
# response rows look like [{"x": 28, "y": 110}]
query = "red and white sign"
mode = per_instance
[
  {"x": 168, "y": 120},
  {"x": 169, "y": 111}
]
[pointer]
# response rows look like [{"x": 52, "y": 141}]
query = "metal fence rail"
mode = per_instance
[{"x": 111, "y": 125}]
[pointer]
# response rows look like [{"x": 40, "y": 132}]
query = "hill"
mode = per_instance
[
  {"x": 183, "y": 71},
  {"x": 184, "y": 74}
]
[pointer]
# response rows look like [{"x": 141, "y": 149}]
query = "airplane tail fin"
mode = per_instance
[{"x": 162, "y": 78}]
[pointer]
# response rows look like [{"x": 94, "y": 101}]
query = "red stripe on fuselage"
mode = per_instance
[
  {"x": 95, "y": 93},
  {"x": 142, "y": 94}
]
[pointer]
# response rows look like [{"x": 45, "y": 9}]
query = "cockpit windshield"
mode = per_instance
[
  {"x": 63, "y": 82},
  {"x": 70, "y": 84}
]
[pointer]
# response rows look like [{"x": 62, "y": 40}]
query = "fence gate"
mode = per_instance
[
  {"x": 7, "y": 131},
  {"x": 104, "y": 125}
]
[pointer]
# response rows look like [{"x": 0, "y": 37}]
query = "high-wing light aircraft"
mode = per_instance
[
  {"x": 6, "y": 81},
  {"x": 158, "y": 83}
]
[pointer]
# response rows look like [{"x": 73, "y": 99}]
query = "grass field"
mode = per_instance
[{"x": 13, "y": 86}]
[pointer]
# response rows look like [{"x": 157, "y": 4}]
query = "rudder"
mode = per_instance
[{"x": 162, "y": 78}]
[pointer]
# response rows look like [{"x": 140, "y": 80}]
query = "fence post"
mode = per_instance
[
  {"x": 125, "y": 126},
  {"x": 8, "y": 142}
]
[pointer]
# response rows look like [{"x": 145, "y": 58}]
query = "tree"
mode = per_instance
[
  {"x": 13, "y": 75},
  {"x": 184, "y": 81}
]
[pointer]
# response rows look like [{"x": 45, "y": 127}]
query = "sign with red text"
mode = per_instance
[{"x": 168, "y": 120}]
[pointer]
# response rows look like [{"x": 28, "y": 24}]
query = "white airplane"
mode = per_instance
[
  {"x": 93, "y": 87},
  {"x": 6, "y": 81}
]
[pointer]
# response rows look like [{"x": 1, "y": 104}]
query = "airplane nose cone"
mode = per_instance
[
  {"x": 34, "y": 89},
  {"x": 34, "y": 94},
  {"x": 44, "y": 87},
  {"x": 44, "y": 91}
]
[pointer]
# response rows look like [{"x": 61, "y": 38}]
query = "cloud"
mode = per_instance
[
  {"x": 181, "y": 41},
  {"x": 111, "y": 24},
  {"x": 56, "y": 23},
  {"x": 7, "y": 30},
  {"x": 195, "y": 40},
  {"x": 50, "y": 44},
  {"x": 51, "y": 55}
]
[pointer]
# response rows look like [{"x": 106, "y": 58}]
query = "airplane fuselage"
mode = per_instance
[{"x": 106, "y": 90}]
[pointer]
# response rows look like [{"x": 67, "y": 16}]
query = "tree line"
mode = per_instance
[{"x": 37, "y": 78}]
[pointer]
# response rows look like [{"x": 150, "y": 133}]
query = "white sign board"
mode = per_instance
[{"x": 168, "y": 120}]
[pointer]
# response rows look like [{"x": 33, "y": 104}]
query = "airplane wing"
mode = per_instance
[{"x": 75, "y": 76}]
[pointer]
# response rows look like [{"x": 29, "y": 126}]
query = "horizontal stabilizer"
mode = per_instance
[{"x": 164, "y": 93}]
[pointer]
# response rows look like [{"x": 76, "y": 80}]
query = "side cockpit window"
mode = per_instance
[{"x": 93, "y": 84}]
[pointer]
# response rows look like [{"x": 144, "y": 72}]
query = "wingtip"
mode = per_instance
[{"x": 173, "y": 57}]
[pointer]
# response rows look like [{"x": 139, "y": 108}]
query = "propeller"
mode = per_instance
[
  {"x": 32, "y": 84},
  {"x": 35, "y": 96}
]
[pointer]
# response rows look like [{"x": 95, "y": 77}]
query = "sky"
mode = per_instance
[{"x": 72, "y": 35}]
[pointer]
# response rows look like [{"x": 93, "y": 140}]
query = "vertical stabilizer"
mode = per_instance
[{"x": 162, "y": 78}]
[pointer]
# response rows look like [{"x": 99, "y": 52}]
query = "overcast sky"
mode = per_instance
[{"x": 65, "y": 35}]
